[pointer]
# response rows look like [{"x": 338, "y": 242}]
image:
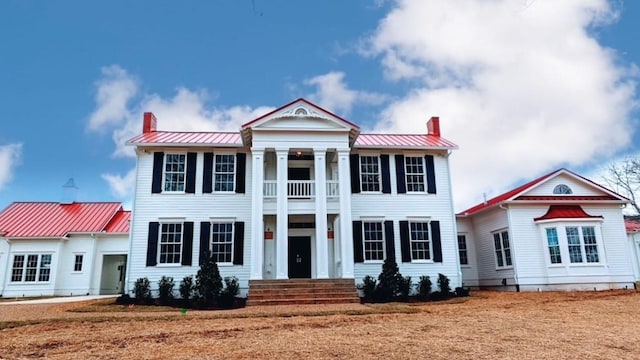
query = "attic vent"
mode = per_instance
[
  {"x": 562, "y": 189},
  {"x": 301, "y": 112}
]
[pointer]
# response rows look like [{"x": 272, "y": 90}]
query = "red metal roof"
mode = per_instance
[
  {"x": 52, "y": 219},
  {"x": 188, "y": 138},
  {"x": 402, "y": 141},
  {"x": 566, "y": 212},
  {"x": 632, "y": 225},
  {"x": 119, "y": 223},
  {"x": 566, "y": 197}
]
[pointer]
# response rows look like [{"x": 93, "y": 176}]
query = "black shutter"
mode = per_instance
[
  {"x": 238, "y": 243},
  {"x": 355, "y": 173},
  {"x": 152, "y": 244},
  {"x": 156, "y": 182},
  {"x": 207, "y": 173},
  {"x": 402, "y": 187},
  {"x": 187, "y": 243},
  {"x": 358, "y": 252},
  {"x": 190, "y": 183},
  {"x": 386, "y": 177},
  {"x": 389, "y": 239},
  {"x": 431, "y": 174},
  {"x": 437, "y": 245},
  {"x": 205, "y": 230},
  {"x": 241, "y": 170},
  {"x": 405, "y": 241}
]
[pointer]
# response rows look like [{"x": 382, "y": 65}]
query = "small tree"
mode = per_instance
[
  {"x": 142, "y": 290},
  {"x": 208, "y": 281},
  {"x": 165, "y": 289},
  {"x": 230, "y": 291},
  {"x": 368, "y": 287},
  {"x": 186, "y": 287},
  {"x": 388, "y": 281},
  {"x": 404, "y": 287},
  {"x": 624, "y": 177},
  {"x": 443, "y": 284},
  {"x": 424, "y": 287}
]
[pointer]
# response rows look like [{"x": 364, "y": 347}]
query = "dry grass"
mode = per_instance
[{"x": 488, "y": 325}]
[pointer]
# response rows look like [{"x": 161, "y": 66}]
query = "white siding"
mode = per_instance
[
  {"x": 634, "y": 253},
  {"x": 27, "y": 247},
  {"x": 469, "y": 271},
  {"x": 578, "y": 187}
]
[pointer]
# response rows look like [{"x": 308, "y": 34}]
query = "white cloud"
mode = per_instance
[
  {"x": 333, "y": 93},
  {"x": 121, "y": 186},
  {"x": 10, "y": 157},
  {"x": 522, "y": 87},
  {"x": 114, "y": 91}
]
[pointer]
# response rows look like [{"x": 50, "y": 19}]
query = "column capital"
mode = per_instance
[
  {"x": 319, "y": 151},
  {"x": 281, "y": 151},
  {"x": 342, "y": 152},
  {"x": 257, "y": 150}
]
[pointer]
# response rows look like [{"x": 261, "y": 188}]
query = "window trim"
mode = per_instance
[
  {"x": 232, "y": 241},
  {"x": 213, "y": 172},
  {"x": 164, "y": 173},
  {"x": 382, "y": 240},
  {"x": 379, "y": 173},
  {"x": 466, "y": 249},
  {"x": 75, "y": 263},
  {"x": 407, "y": 174},
  {"x": 429, "y": 240},
  {"x": 159, "y": 246},
  {"x": 502, "y": 250},
  {"x": 39, "y": 268},
  {"x": 563, "y": 242}
]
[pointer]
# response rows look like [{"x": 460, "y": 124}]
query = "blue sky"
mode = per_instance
[{"x": 523, "y": 86}]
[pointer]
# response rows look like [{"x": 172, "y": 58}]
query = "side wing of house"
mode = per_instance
[{"x": 467, "y": 254}]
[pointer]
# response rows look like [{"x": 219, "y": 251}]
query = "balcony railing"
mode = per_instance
[{"x": 300, "y": 189}]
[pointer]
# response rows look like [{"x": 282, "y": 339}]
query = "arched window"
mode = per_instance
[
  {"x": 562, "y": 189},
  {"x": 301, "y": 111}
]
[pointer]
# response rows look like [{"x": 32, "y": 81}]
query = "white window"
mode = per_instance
[
  {"x": 553, "y": 244},
  {"x": 414, "y": 172},
  {"x": 562, "y": 189},
  {"x": 420, "y": 241},
  {"x": 582, "y": 244},
  {"x": 370, "y": 173},
  {"x": 31, "y": 268},
  {"x": 174, "y": 172},
  {"x": 462, "y": 250},
  {"x": 170, "y": 243},
  {"x": 503, "y": 250},
  {"x": 222, "y": 242},
  {"x": 77, "y": 264},
  {"x": 224, "y": 173},
  {"x": 373, "y": 241}
]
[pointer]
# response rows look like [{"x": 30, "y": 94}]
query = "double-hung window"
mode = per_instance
[
  {"x": 414, "y": 172},
  {"x": 77, "y": 263},
  {"x": 31, "y": 268},
  {"x": 582, "y": 244},
  {"x": 420, "y": 241},
  {"x": 553, "y": 244},
  {"x": 462, "y": 250},
  {"x": 222, "y": 242},
  {"x": 224, "y": 173},
  {"x": 174, "y": 172},
  {"x": 503, "y": 249},
  {"x": 170, "y": 244},
  {"x": 370, "y": 173},
  {"x": 373, "y": 241}
]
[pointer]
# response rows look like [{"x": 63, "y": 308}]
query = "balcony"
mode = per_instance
[{"x": 300, "y": 189}]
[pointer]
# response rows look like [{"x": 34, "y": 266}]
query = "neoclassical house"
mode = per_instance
[{"x": 296, "y": 193}]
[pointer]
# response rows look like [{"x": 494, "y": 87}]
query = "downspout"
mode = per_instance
[
  {"x": 512, "y": 242},
  {"x": 455, "y": 223}
]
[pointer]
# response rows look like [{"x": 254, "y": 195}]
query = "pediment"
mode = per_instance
[{"x": 565, "y": 183}]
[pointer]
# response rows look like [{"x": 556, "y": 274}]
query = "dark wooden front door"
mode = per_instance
[{"x": 299, "y": 257}]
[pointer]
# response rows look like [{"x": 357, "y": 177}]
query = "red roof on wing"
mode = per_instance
[
  {"x": 188, "y": 138},
  {"x": 403, "y": 141},
  {"x": 52, "y": 219},
  {"x": 566, "y": 212}
]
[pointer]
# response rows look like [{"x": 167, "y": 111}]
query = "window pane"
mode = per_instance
[
  {"x": 573, "y": 241},
  {"x": 174, "y": 172},
  {"x": 170, "y": 243},
  {"x": 18, "y": 267},
  {"x": 224, "y": 173},
  {"x": 419, "y": 239},
  {"x": 462, "y": 250},
  {"x": 369, "y": 173},
  {"x": 222, "y": 242},
  {"x": 373, "y": 241},
  {"x": 77, "y": 266},
  {"x": 590, "y": 244},
  {"x": 32, "y": 268},
  {"x": 45, "y": 267},
  {"x": 554, "y": 246},
  {"x": 414, "y": 170}
]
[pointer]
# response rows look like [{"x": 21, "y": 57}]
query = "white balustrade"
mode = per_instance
[
  {"x": 301, "y": 189},
  {"x": 332, "y": 189},
  {"x": 270, "y": 189}
]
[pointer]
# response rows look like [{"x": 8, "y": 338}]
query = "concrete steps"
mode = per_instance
[{"x": 302, "y": 291}]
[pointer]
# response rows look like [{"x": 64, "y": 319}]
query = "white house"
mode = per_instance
[
  {"x": 296, "y": 193},
  {"x": 632, "y": 225},
  {"x": 560, "y": 231},
  {"x": 49, "y": 248}
]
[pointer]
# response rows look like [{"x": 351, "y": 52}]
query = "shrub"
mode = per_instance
[
  {"x": 208, "y": 281},
  {"x": 165, "y": 289},
  {"x": 462, "y": 291},
  {"x": 186, "y": 287},
  {"x": 404, "y": 287},
  {"x": 368, "y": 287},
  {"x": 229, "y": 293},
  {"x": 424, "y": 287},
  {"x": 388, "y": 281},
  {"x": 443, "y": 285},
  {"x": 142, "y": 290}
]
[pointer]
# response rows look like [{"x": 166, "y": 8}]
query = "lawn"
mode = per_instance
[{"x": 487, "y": 325}]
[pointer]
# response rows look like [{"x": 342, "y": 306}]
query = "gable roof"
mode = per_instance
[
  {"x": 55, "y": 220},
  {"x": 514, "y": 194},
  {"x": 566, "y": 212}
]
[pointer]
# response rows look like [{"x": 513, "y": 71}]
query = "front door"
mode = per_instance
[
  {"x": 299, "y": 257},
  {"x": 299, "y": 173}
]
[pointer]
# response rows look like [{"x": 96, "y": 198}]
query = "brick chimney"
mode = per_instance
[
  {"x": 149, "y": 122},
  {"x": 433, "y": 126}
]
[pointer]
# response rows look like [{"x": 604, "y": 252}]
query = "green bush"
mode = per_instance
[
  {"x": 404, "y": 287},
  {"x": 142, "y": 290},
  {"x": 229, "y": 293},
  {"x": 368, "y": 287},
  {"x": 165, "y": 290},
  {"x": 186, "y": 287},
  {"x": 388, "y": 281},
  {"x": 423, "y": 287},
  {"x": 208, "y": 281},
  {"x": 443, "y": 285}
]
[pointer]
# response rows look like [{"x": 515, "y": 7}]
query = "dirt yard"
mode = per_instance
[{"x": 488, "y": 325}]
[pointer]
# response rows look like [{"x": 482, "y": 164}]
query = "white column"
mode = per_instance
[
  {"x": 322, "y": 247},
  {"x": 282, "y": 218},
  {"x": 346, "y": 231},
  {"x": 257, "y": 216}
]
